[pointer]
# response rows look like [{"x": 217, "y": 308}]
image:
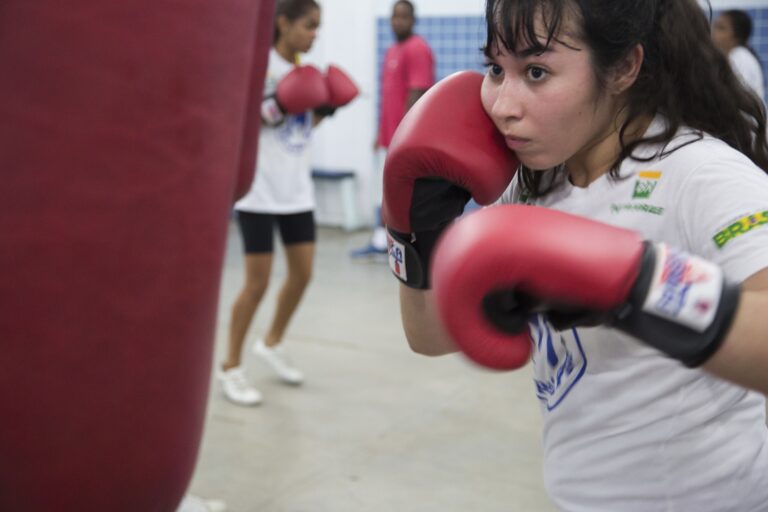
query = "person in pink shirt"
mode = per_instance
[{"x": 408, "y": 71}]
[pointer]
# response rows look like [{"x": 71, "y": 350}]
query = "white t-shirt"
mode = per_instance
[
  {"x": 627, "y": 429},
  {"x": 283, "y": 181},
  {"x": 747, "y": 68}
]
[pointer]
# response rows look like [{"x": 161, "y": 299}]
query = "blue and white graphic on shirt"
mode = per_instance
[
  {"x": 559, "y": 362},
  {"x": 294, "y": 133}
]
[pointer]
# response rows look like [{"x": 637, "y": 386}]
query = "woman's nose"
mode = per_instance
[{"x": 508, "y": 102}]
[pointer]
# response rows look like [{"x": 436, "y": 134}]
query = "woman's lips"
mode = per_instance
[{"x": 515, "y": 143}]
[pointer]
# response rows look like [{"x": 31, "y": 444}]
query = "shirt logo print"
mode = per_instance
[
  {"x": 294, "y": 133},
  {"x": 645, "y": 184},
  {"x": 559, "y": 362}
]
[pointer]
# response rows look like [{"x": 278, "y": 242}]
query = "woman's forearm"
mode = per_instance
[
  {"x": 743, "y": 356},
  {"x": 423, "y": 330}
]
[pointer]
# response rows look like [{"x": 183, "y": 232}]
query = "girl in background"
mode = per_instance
[
  {"x": 730, "y": 32},
  {"x": 282, "y": 195}
]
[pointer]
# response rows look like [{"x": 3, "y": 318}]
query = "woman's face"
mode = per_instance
[
  {"x": 300, "y": 33},
  {"x": 723, "y": 35},
  {"x": 547, "y": 105}
]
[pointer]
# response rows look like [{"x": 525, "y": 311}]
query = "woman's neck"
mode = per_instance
[
  {"x": 285, "y": 51},
  {"x": 597, "y": 158}
]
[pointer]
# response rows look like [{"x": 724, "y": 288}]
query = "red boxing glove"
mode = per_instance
[
  {"x": 497, "y": 267},
  {"x": 301, "y": 89},
  {"x": 340, "y": 86},
  {"x": 341, "y": 91},
  {"x": 444, "y": 151}
]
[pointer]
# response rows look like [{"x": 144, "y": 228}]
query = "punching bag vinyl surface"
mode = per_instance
[
  {"x": 120, "y": 148},
  {"x": 250, "y": 139}
]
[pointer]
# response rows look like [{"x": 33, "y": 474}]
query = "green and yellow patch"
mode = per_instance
[
  {"x": 645, "y": 184},
  {"x": 738, "y": 228}
]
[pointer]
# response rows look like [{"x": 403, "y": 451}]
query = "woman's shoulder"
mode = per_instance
[
  {"x": 277, "y": 63},
  {"x": 690, "y": 149},
  {"x": 744, "y": 62},
  {"x": 741, "y": 53},
  {"x": 701, "y": 158}
]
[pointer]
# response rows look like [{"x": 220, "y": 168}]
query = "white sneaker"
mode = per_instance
[
  {"x": 192, "y": 503},
  {"x": 278, "y": 360},
  {"x": 236, "y": 387}
]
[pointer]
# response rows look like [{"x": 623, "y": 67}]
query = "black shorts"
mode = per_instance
[{"x": 258, "y": 228}]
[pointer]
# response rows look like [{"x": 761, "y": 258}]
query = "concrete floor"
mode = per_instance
[{"x": 375, "y": 428}]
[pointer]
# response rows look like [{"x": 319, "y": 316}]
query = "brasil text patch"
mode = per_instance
[{"x": 740, "y": 227}]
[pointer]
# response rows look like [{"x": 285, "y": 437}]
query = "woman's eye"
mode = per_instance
[
  {"x": 494, "y": 69},
  {"x": 536, "y": 73}
]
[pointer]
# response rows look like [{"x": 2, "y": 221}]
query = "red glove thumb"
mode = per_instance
[{"x": 341, "y": 88}]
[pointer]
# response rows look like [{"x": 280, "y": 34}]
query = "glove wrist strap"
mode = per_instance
[
  {"x": 681, "y": 304},
  {"x": 409, "y": 256},
  {"x": 325, "y": 110},
  {"x": 271, "y": 112}
]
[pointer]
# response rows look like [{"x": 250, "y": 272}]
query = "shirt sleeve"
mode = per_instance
[
  {"x": 723, "y": 209},
  {"x": 419, "y": 67}
]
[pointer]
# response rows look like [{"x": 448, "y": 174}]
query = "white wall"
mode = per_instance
[{"x": 344, "y": 141}]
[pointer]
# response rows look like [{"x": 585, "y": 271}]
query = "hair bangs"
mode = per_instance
[{"x": 513, "y": 25}]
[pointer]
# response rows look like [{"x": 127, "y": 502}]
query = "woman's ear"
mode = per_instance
[
  {"x": 626, "y": 71},
  {"x": 283, "y": 24}
]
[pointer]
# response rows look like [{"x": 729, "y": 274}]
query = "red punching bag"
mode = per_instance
[{"x": 120, "y": 147}]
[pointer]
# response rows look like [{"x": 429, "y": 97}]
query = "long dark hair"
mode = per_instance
[
  {"x": 683, "y": 76},
  {"x": 292, "y": 10}
]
